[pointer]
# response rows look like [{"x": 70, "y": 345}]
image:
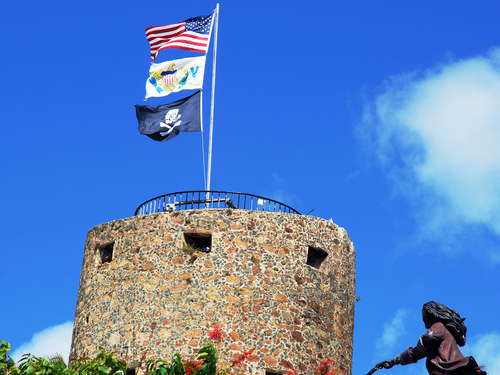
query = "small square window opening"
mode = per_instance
[
  {"x": 199, "y": 241},
  {"x": 315, "y": 256},
  {"x": 106, "y": 252}
]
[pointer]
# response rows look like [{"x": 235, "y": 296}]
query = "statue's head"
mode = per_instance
[
  {"x": 428, "y": 319},
  {"x": 434, "y": 312}
]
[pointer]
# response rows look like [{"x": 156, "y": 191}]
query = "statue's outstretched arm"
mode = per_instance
[{"x": 386, "y": 364}]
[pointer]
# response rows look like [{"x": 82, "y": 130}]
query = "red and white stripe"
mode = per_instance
[
  {"x": 175, "y": 36},
  {"x": 169, "y": 78}
]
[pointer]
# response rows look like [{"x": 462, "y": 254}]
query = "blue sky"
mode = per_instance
[{"x": 382, "y": 115}]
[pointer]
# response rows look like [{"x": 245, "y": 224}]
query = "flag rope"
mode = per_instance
[
  {"x": 202, "y": 141},
  {"x": 203, "y": 152}
]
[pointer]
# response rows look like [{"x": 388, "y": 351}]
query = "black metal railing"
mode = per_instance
[{"x": 188, "y": 200}]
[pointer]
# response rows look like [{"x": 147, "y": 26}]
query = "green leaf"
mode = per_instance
[
  {"x": 4, "y": 349},
  {"x": 178, "y": 365}
]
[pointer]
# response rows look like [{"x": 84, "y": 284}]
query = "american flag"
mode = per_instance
[{"x": 191, "y": 35}]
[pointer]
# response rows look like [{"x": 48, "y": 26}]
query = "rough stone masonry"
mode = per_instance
[{"x": 282, "y": 284}]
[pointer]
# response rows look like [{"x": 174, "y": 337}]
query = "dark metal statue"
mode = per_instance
[{"x": 446, "y": 331}]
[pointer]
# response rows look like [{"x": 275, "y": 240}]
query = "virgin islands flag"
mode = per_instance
[{"x": 175, "y": 75}]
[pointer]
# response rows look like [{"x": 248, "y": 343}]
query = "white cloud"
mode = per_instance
[
  {"x": 391, "y": 334},
  {"x": 486, "y": 350},
  {"x": 46, "y": 343},
  {"x": 278, "y": 192},
  {"x": 437, "y": 134}
]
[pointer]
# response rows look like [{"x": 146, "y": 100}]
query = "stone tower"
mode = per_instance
[{"x": 280, "y": 283}]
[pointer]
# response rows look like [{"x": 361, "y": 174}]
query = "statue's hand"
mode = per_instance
[{"x": 385, "y": 364}]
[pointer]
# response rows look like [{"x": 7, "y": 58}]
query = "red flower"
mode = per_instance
[
  {"x": 216, "y": 334},
  {"x": 325, "y": 368},
  {"x": 247, "y": 354},
  {"x": 192, "y": 367},
  {"x": 243, "y": 357}
]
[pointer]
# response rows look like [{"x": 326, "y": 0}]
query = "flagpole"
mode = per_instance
[
  {"x": 212, "y": 104},
  {"x": 202, "y": 141}
]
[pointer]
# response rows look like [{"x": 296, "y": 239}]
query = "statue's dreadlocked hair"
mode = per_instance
[{"x": 450, "y": 319}]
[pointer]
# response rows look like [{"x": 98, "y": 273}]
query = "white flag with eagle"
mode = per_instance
[{"x": 175, "y": 75}]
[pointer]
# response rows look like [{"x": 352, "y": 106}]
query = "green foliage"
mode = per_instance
[
  {"x": 103, "y": 363},
  {"x": 207, "y": 355},
  {"x": 161, "y": 367},
  {"x": 106, "y": 363},
  {"x": 7, "y": 365},
  {"x": 190, "y": 249},
  {"x": 31, "y": 365}
]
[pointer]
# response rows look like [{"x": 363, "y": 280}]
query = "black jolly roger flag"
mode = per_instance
[{"x": 164, "y": 122}]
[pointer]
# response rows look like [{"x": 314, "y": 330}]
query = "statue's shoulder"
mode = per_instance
[
  {"x": 438, "y": 329},
  {"x": 438, "y": 325}
]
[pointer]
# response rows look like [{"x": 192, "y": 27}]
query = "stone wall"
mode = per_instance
[{"x": 149, "y": 298}]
